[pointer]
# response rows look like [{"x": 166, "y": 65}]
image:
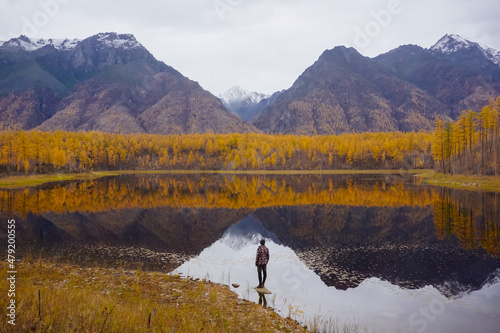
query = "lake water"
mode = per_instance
[{"x": 381, "y": 253}]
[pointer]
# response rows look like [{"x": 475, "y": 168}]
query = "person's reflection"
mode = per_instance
[{"x": 262, "y": 299}]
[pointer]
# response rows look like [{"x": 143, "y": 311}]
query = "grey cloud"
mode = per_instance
[{"x": 260, "y": 45}]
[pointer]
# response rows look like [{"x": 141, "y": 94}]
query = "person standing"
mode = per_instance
[{"x": 261, "y": 262}]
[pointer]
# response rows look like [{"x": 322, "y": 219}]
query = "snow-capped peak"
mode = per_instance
[
  {"x": 249, "y": 231},
  {"x": 453, "y": 43},
  {"x": 114, "y": 40},
  {"x": 110, "y": 39},
  {"x": 237, "y": 95},
  {"x": 234, "y": 94},
  {"x": 450, "y": 44},
  {"x": 28, "y": 44}
]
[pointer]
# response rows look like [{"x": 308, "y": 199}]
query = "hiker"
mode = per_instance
[{"x": 261, "y": 262}]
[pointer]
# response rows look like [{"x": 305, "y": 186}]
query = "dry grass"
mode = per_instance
[
  {"x": 464, "y": 182},
  {"x": 34, "y": 180},
  {"x": 76, "y": 299}
]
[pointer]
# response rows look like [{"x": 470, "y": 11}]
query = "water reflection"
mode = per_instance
[
  {"x": 214, "y": 191},
  {"x": 300, "y": 293},
  {"x": 337, "y": 242},
  {"x": 262, "y": 299},
  {"x": 473, "y": 217},
  {"x": 470, "y": 216},
  {"x": 346, "y": 245}
]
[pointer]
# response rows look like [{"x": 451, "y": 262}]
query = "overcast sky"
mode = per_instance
[{"x": 259, "y": 45}]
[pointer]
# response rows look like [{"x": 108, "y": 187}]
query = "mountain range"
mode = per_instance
[
  {"x": 404, "y": 89},
  {"x": 110, "y": 82}
]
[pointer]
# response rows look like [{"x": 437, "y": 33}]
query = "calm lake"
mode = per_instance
[{"x": 382, "y": 253}]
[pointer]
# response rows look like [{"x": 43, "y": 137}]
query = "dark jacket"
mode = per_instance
[{"x": 262, "y": 256}]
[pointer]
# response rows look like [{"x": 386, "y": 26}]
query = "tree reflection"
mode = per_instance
[
  {"x": 133, "y": 210},
  {"x": 211, "y": 191},
  {"x": 472, "y": 217}
]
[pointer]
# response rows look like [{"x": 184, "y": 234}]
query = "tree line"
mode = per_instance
[
  {"x": 469, "y": 145},
  {"x": 43, "y": 152}
]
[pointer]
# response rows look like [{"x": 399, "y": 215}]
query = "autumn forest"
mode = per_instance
[{"x": 469, "y": 145}]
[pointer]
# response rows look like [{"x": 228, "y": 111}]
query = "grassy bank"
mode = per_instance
[
  {"x": 76, "y": 299},
  {"x": 463, "y": 182},
  {"x": 34, "y": 180}
]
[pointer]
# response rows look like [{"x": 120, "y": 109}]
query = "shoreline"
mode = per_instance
[
  {"x": 74, "y": 298},
  {"x": 20, "y": 181},
  {"x": 461, "y": 182},
  {"x": 430, "y": 177}
]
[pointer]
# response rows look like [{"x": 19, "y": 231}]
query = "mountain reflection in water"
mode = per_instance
[
  {"x": 368, "y": 249},
  {"x": 297, "y": 291}
]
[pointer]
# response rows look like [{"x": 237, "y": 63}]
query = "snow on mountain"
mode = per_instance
[
  {"x": 243, "y": 103},
  {"x": 450, "y": 44},
  {"x": 125, "y": 41},
  {"x": 248, "y": 231},
  {"x": 61, "y": 44},
  {"x": 30, "y": 45},
  {"x": 491, "y": 53},
  {"x": 237, "y": 96},
  {"x": 113, "y": 40}
]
